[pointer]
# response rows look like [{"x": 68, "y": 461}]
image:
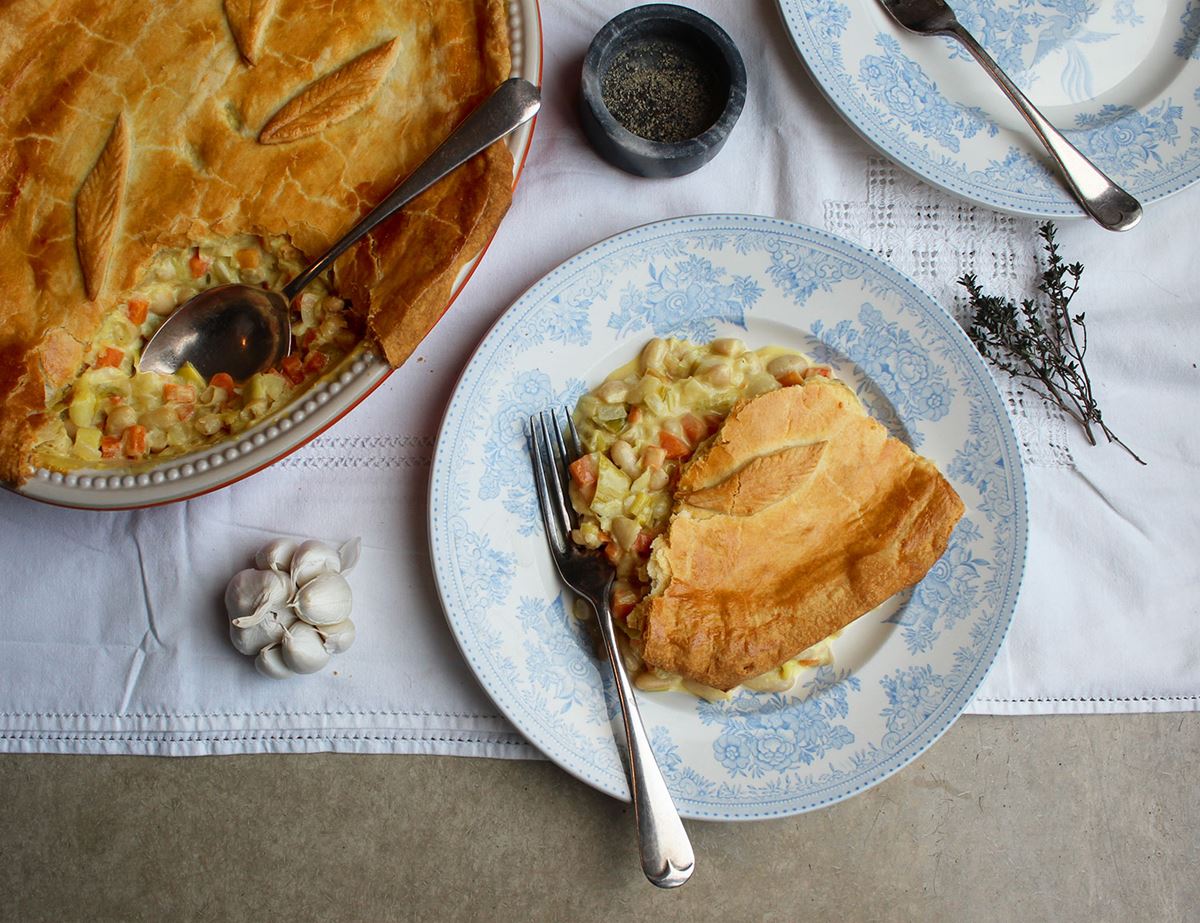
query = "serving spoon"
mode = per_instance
[
  {"x": 240, "y": 329},
  {"x": 1107, "y": 203}
]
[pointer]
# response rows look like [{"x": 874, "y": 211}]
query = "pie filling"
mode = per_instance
[
  {"x": 113, "y": 415},
  {"x": 638, "y": 428}
]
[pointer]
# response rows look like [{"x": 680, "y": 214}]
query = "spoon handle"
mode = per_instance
[
  {"x": 1108, "y": 204},
  {"x": 511, "y": 105}
]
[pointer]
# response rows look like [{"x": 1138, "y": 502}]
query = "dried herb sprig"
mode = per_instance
[{"x": 1042, "y": 343}]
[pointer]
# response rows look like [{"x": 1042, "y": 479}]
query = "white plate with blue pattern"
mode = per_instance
[
  {"x": 901, "y": 674},
  {"x": 1120, "y": 78}
]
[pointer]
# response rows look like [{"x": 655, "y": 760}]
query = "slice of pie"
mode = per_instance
[
  {"x": 149, "y": 150},
  {"x": 800, "y": 515}
]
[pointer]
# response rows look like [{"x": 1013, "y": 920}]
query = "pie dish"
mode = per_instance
[{"x": 217, "y": 143}]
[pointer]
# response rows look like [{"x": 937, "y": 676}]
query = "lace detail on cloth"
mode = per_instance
[
  {"x": 407, "y": 451},
  {"x": 935, "y": 238}
]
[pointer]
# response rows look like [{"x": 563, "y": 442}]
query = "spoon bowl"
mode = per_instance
[
  {"x": 241, "y": 330},
  {"x": 237, "y": 329}
]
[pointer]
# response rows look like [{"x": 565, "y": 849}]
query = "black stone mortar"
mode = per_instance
[{"x": 671, "y": 75}]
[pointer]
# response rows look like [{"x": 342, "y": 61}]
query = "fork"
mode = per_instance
[
  {"x": 666, "y": 852},
  {"x": 1110, "y": 205}
]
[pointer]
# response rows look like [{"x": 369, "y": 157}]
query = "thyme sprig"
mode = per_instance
[{"x": 1042, "y": 343}]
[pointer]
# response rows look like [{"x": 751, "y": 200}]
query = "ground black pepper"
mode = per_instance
[{"x": 661, "y": 90}]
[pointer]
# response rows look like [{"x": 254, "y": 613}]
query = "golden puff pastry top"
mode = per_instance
[
  {"x": 127, "y": 127},
  {"x": 801, "y": 515}
]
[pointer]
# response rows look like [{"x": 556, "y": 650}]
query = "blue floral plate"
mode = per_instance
[
  {"x": 1120, "y": 78},
  {"x": 901, "y": 674}
]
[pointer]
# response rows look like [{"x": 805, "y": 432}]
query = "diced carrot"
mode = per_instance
[
  {"x": 823, "y": 370},
  {"x": 613, "y": 552},
  {"x": 694, "y": 428},
  {"x": 222, "y": 380},
  {"x": 641, "y": 544},
  {"x": 185, "y": 411},
  {"x": 635, "y": 414},
  {"x": 309, "y": 338},
  {"x": 654, "y": 456},
  {"x": 198, "y": 265},
  {"x": 248, "y": 258},
  {"x": 673, "y": 445},
  {"x": 584, "y": 471},
  {"x": 109, "y": 446},
  {"x": 138, "y": 309},
  {"x": 787, "y": 379},
  {"x": 293, "y": 369},
  {"x": 624, "y": 599},
  {"x": 135, "y": 441},
  {"x": 315, "y": 362},
  {"x": 110, "y": 358},
  {"x": 179, "y": 394}
]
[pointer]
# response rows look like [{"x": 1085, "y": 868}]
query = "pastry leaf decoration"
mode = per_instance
[
  {"x": 332, "y": 98},
  {"x": 98, "y": 206},
  {"x": 763, "y": 482},
  {"x": 247, "y": 21}
]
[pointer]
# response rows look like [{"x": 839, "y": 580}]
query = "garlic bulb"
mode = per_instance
[
  {"x": 269, "y": 663},
  {"x": 276, "y": 555},
  {"x": 291, "y": 611},
  {"x": 324, "y": 600},
  {"x": 339, "y": 637},
  {"x": 303, "y": 649},
  {"x": 251, "y": 594}
]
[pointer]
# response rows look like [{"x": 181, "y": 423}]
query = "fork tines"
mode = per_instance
[{"x": 551, "y": 457}]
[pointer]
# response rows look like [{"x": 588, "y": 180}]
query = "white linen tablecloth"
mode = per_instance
[{"x": 113, "y": 635}]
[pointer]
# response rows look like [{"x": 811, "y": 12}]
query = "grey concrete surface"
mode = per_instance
[{"x": 1086, "y": 819}]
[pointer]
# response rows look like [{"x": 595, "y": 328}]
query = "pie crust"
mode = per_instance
[{"x": 131, "y": 128}]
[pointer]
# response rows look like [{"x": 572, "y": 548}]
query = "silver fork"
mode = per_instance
[
  {"x": 1110, "y": 205},
  {"x": 667, "y": 857}
]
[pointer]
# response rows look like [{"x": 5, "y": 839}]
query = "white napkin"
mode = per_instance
[{"x": 113, "y": 631}]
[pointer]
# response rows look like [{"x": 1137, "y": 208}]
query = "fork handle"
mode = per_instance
[
  {"x": 1110, "y": 205},
  {"x": 667, "y": 857}
]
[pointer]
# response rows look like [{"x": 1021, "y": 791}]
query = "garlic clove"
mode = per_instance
[
  {"x": 270, "y": 663},
  {"x": 313, "y": 558},
  {"x": 324, "y": 600},
  {"x": 275, "y": 555},
  {"x": 348, "y": 555},
  {"x": 252, "y": 593},
  {"x": 303, "y": 649},
  {"x": 250, "y": 639},
  {"x": 338, "y": 637}
]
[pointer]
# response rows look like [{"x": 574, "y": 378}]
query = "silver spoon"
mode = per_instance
[
  {"x": 240, "y": 329},
  {"x": 1110, "y": 205}
]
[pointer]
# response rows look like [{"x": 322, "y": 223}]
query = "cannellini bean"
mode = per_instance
[
  {"x": 207, "y": 424},
  {"x": 160, "y": 418},
  {"x": 654, "y": 355},
  {"x": 727, "y": 346},
  {"x": 715, "y": 370},
  {"x": 613, "y": 392},
  {"x": 119, "y": 420},
  {"x": 658, "y": 479},
  {"x": 783, "y": 365},
  {"x": 625, "y": 458},
  {"x": 653, "y": 681}
]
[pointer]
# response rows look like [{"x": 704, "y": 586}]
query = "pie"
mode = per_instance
[
  {"x": 752, "y": 508},
  {"x": 148, "y": 151}
]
